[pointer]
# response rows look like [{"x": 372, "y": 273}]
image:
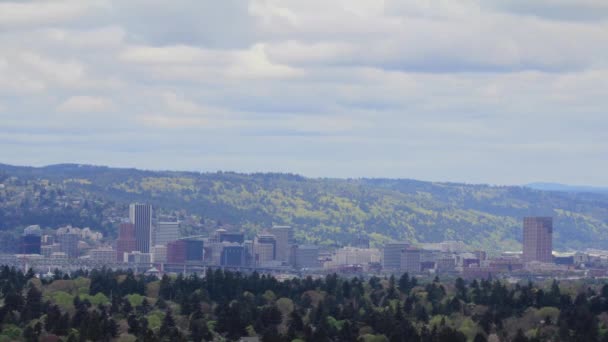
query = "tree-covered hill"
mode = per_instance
[{"x": 336, "y": 211}]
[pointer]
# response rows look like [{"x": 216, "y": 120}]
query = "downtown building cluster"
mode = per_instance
[{"x": 151, "y": 243}]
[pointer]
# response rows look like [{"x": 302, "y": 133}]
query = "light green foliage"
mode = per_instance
[
  {"x": 438, "y": 320},
  {"x": 548, "y": 311},
  {"x": 335, "y": 323},
  {"x": 285, "y": 305},
  {"x": 269, "y": 296},
  {"x": 469, "y": 328},
  {"x": 251, "y": 331},
  {"x": 155, "y": 319},
  {"x": 374, "y": 338},
  {"x": 135, "y": 299},
  {"x": 97, "y": 299},
  {"x": 82, "y": 285},
  {"x": 63, "y": 299}
]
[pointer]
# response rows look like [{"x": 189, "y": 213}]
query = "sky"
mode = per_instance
[{"x": 492, "y": 91}]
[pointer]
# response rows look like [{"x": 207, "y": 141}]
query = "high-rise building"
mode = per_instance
[
  {"x": 538, "y": 239},
  {"x": 284, "y": 239},
  {"x": 410, "y": 260},
  {"x": 393, "y": 254},
  {"x": 126, "y": 242},
  {"x": 265, "y": 249},
  {"x": 233, "y": 254},
  {"x": 68, "y": 243},
  {"x": 305, "y": 256},
  {"x": 166, "y": 232},
  {"x": 140, "y": 215},
  {"x": 31, "y": 240}
]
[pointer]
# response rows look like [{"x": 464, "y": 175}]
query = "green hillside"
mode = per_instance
[{"x": 328, "y": 211}]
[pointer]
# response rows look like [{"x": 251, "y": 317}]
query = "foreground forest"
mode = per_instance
[
  {"x": 103, "y": 305},
  {"x": 324, "y": 211}
]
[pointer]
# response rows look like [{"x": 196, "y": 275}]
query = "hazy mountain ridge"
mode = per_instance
[
  {"x": 337, "y": 210},
  {"x": 567, "y": 188}
]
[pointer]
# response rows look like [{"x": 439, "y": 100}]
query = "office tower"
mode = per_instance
[
  {"x": 305, "y": 256},
  {"x": 68, "y": 243},
  {"x": 166, "y": 232},
  {"x": 538, "y": 239},
  {"x": 392, "y": 255},
  {"x": 233, "y": 254},
  {"x": 31, "y": 240},
  {"x": 140, "y": 215},
  {"x": 126, "y": 242},
  {"x": 410, "y": 260},
  {"x": 265, "y": 248},
  {"x": 284, "y": 238}
]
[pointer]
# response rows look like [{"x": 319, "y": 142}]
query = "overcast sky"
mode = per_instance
[{"x": 487, "y": 91}]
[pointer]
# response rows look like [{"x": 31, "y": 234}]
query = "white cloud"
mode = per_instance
[
  {"x": 105, "y": 37},
  {"x": 34, "y": 13},
  {"x": 300, "y": 82},
  {"x": 178, "y": 54},
  {"x": 86, "y": 104},
  {"x": 254, "y": 63}
]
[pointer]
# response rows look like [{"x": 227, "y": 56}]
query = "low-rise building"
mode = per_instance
[{"x": 105, "y": 256}]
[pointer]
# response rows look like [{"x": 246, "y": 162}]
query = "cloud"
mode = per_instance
[
  {"x": 85, "y": 104},
  {"x": 185, "y": 62},
  {"x": 15, "y": 14},
  {"x": 446, "y": 90},
  {"x": 563, "y": 10}
]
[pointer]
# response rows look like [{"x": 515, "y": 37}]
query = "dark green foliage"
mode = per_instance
[{"x": 227, "y": 306}]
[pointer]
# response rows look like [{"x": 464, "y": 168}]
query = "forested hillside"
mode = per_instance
[
  {"x": 327, "y": 211},
  {"x": 103, "y": 305}
]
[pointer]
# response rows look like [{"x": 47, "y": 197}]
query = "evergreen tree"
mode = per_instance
[{"x": 33, "y": 305}]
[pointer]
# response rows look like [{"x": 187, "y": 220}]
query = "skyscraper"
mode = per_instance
[
  {"x": 265, "y": 249},
  {"x": 284, "y": 238},
  {"x": 166, "y": 232},
  {"x": 538, "y": 239},
  {"x": 126, "y": 242},
  {"x": 393, "y": 255},
  {"x": 68, "y": 243},
  {"x": 140, "y": 215}
]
